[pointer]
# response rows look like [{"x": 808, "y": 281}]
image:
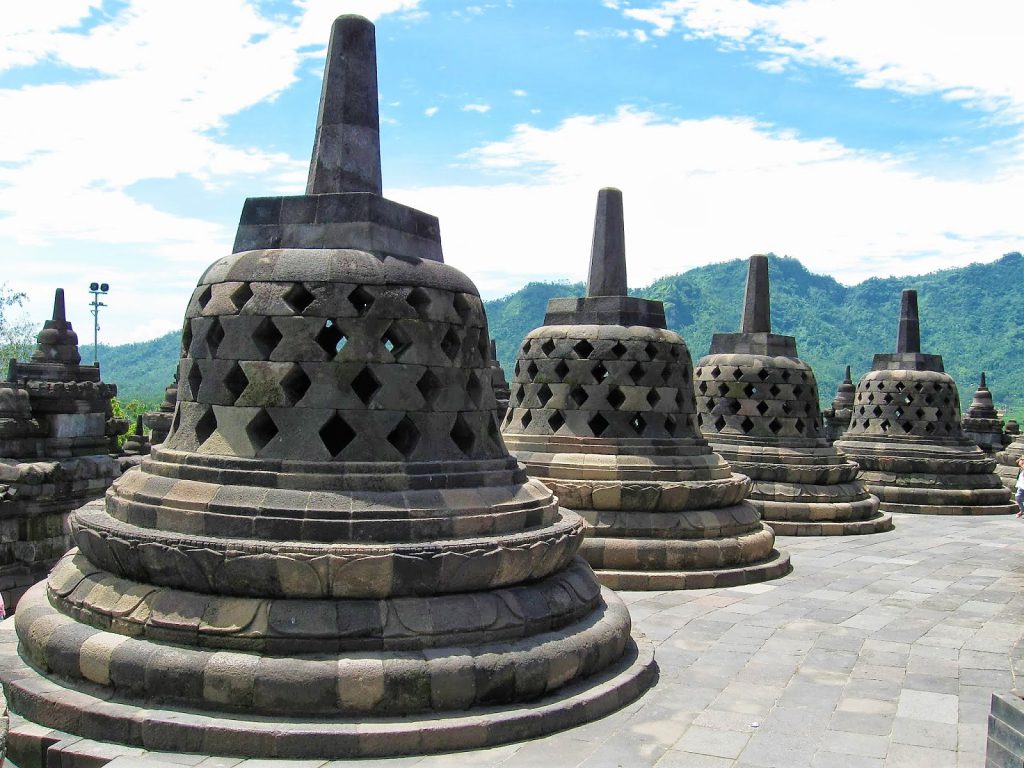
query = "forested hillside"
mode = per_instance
[{"x": 972, "y": 316}]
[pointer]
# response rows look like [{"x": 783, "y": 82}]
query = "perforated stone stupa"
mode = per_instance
[
  {"x": 837, "y": 418},
  {"x": 333, "y": 553},
  {"x": 53, "y": 452},
  {"x": 602, "y": 411},
  {"x": 905, "y": 434},
  {"x": 757, "y": 404},
  {"x": 981, "y": 423}
]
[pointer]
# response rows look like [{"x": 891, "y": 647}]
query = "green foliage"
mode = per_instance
[
  {"x": 17, "y": 333},
  {"x": 130, "y": 409},
  {"x": 142, "y": 370}
]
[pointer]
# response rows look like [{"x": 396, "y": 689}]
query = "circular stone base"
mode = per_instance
[
  {"x": 89, "y": 711},
  {"x": 937, "y": 509},
  {"x": 881, "y": 523},
  {"x": 774, "y": 567}
]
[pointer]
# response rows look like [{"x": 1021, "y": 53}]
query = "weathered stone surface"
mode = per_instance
[
  {"x": 602, "y": 410},
  {"x": 333, "y": 545},
  {"x": 757, "y": 404},
  {"x": 906, "y": 435},
  {"x": 837, "y": 418},
  {"x": 981, "y": 423}
]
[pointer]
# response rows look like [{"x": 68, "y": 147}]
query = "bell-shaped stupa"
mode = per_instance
[
  {"x": 981, "y": 422},
  {"x": 159, "y": 421},
  {"x": 54, "y": 443},
  {"x": 333, "y": 553},
  {"x": 602, "y": 411},
  {"x": 757, "y": 404},
  {"x": 837, "y": 418},
  {"x": 499, "y": 383},
  {"x": 905, "y": 433}
]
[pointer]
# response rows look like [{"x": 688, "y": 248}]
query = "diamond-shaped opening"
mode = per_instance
[
  {"x": 929, "y": 427},
  {"x": 556, "y": 420},
  {"x": 405, "y": 437},
  {"x": 948, "y": 427},
  {"x": 703, "y": 387},
  {"x": 670, "y": 425},
  {"x": 515, "y": 370},
  {"x": 365, "y": 385},
  {"x": 887, "y": 399},
  {"x": 720, "y": 423},
  {"x": 675, "y": 350},
  {"x": 666, "y": 373},
  {"x": 547, "y": 347},
  {"x": 700, "y": 420},
  {"x": 763, "y": 374},
  {"x": 918, "y": 386},
  {"x": 361, "y": 299},
  {"x": 907, "y": 426},
  {"x": 908, "y": 399},
  {"x": 206, "y": 426},
  {"x": 749, "y": 389},
  {"x": 786, "y": 408},
  {"x": 599, "y": 372},
  {"x": 531, "y": 370},
  {"x": 651, "y": 351},
  {"x": 235, "y": 382},
  {"x": 195, "y": 379},
  {"x": 698, "y": 371},
  {"x": 205, "y": 296},
  {"x": 561, "y": 370},
  {"x": 920, "y": 413},
  {"x": 680, "y": 398},
  {"x": 774, "y": 390},
  {"x": 598, "y": 425},
  {"x": 900, "y": 386},
  {"x": 638, "y": 424},
  {"x": 462, "y": 435},
  {"x": 762, "y": 407},
  {"x": 653, "y": 397},
  {"x": 899, "y": 413},
  {"x": 419, "y": 300},
  {"x": 797, "y": 390},
  {"x": 636, "y": 373},
  {"x": 616, "y": 398},
  {"x": 261, "y": 430},
  {"x": 871, "y": 397},
  {"x": 474, "y": 388},
  {"x": 747, "y": 424},
  {"x": 331, "y": 339},
  {"x": 451, "y": 344},
  {"x": 463, "y": 306},
  {"x": 520, "y": 394},
  {"x": 214, "y": 336},
  {"x": 723, "y": 389},
  {"x": 775, "y": 426},
  {"x": 579, "y": 395},
  {"x": 716, "y": 372},
  {"x": 865, "y": 423},
  {"x": 395, "y": 341},
  {"x": 241, "y": 295},
  {"x": 785, "y": 375},
  {"x": 186, "y": 338},
  {"x": 430, "y": 387},
  {"x": 526, "y": 347},
  {"x": 733, "y": 406},
  {"x": 544, "y": 394},
  {"x": 884, "y": 426},
  {"x": 298, "y": 297},
  {"x": 861, "y": 410},
  {"x": 493, "y": 432},
  {"x": 295, "y": 384},
  {"x": 799, "y": 425},
  {"x": 266, "y": 337},
  {"x": 526, "y": 419},
  {"x": 877, "y": 410},
  {"x": 175, "y": 421},
  {"x": 583, "y": 348},
  {"x": 737, "y": 373},
  {"x": 619, "y": 349},
  {"x": 336, "y": 434},
  {"x": 711, "y": 403}
]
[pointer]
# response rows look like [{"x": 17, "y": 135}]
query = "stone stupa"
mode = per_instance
[
  {"x": 837, "y": 418},
  {"x": 905, "y": 434},
  {"x": 602, "y": 411},
  {"x": 1006, "y": 459},
  {"x": 333, "y": 553},
  {"x": 159, "y": 421},
  {"x": 499, "y": 383},
  {"x": 981, "y": 422},
  {"x": 757, "y": 404},
  {"x": 53, "y": 452}
]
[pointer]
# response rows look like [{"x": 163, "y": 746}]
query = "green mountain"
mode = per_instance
[{"x": 972, "y": 316}]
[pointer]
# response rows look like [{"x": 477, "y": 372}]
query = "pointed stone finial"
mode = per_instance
[
  {"x": 346, "y": 150},
  {"x": 908, "y": 338},
  {"x": 848, "y": 380},
  {"x": 494, "y": 350},
  {"x": 57, "y": 341},
  {"x": 608, "y": 254},
  {"x": 982, "y": 385},
  {"x": 59, "y": 314},
  {"x": 138, "y": 425},
  {"x": 757, "y": 312}
]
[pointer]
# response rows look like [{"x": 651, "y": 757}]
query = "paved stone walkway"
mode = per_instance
[{"x": 877, "y": 650}]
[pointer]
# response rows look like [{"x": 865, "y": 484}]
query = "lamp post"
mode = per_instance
[{"x": 97, "y": 290}]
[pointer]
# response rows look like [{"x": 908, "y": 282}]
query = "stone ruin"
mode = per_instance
[
  {"x": 981, "y": 423},
  {"x": 159, "y": 421},
  {"x": 54, "y": 442},
  {"x": 905, "y": 433},
  {"x": 602, "y": 411},
  {"x": 1006, "y": 459},
  {"x": 837, "y": 418},
  {"x": 333, "y": 553},
  {"x": 757, "y": 404},
  {"x": 499, "y": 383}
]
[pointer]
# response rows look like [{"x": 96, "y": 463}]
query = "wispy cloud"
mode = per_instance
[
  {"x": 431, "y": 111},
  {"x": 481, "y": 108}
]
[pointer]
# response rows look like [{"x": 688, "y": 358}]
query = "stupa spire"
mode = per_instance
[
  {"x": 908, "y": 338},
  {"x": 607, "y": 275},
  {"x": 757, "y": 312},
  {"x": 848, "y": 380},
  {"x": 346, "y": 150},
  {"x": 59, "y": 314}
]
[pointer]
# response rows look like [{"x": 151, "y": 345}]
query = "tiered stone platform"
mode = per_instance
[
  {"x": 981, "y": 423},
  {"x": 757, "y": 404},
  {"x": 602, "y": 411},
  {"x": 906, "y": 435},
  {"x": 333, "y": 553}
]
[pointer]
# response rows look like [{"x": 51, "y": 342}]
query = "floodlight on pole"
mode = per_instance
[{"x": 97, "y": 290}]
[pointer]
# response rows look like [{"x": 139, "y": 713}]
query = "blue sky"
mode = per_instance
[{"x": 864, "y": 137}]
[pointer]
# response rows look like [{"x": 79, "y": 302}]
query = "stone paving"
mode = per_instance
[{"x": 878, "y": 650}]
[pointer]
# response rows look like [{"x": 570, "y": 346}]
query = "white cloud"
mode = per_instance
[
  {"x": 698, "y": 191},
  {"x": 519, "y": 92},
  {"x": 481, "y": 108},
  {"x": 430, "y": 111},
  {"x": 964, "y": 52}
]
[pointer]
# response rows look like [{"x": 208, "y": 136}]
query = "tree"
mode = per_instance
[{"x": 17, "y": 332}]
